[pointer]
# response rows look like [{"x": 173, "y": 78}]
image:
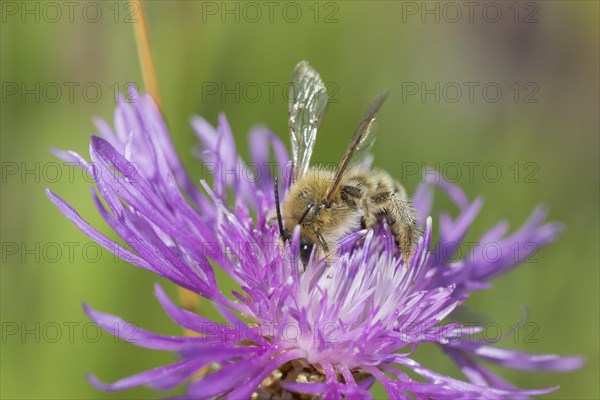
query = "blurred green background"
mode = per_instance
[{"x": 544, "y": 57}]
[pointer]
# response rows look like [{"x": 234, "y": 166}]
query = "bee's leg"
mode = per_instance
[
  {"x": 395, "y": 207},
  {"x": 356, "y": 195},
  {"x": 354, "y": 198}
]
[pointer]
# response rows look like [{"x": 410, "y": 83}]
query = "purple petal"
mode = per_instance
[
  {"x": 96, "y": 236},
  {"x": 517, "y": 359},
  {"x": 180, "y": 369},
  {"x": 141, "y": 337}
]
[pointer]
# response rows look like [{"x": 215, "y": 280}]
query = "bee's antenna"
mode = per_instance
[{"x": 282, "y": 233}]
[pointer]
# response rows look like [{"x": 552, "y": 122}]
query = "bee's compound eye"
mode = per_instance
[{"x": 306, "y": 247}]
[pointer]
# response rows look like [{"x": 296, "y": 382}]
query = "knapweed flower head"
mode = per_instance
[{"x": 329, "y": 329}]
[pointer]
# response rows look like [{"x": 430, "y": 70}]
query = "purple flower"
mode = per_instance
[{"x": 329, "y": 330}]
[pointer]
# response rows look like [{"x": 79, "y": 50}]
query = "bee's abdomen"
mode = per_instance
[{"x": 384, "y": 198}]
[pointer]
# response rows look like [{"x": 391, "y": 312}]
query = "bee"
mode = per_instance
[{"x": 329, "y": 205}]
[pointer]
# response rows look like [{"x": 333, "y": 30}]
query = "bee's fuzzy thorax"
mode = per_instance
[{"x": 331, "y": 219}]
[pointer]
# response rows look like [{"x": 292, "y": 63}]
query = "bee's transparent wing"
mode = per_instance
[
  {"x": 363, "y": 149},
  {"x": 307, "y": 104},
  {"x": 361, "y": 142}
]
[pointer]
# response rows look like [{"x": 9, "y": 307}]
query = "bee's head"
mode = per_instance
[{"x": 303, "y": 211}]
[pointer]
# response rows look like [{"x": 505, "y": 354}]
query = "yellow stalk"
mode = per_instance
[
  {"x": 142, "y": 39},
  {"x": 145, "y": 54}
]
